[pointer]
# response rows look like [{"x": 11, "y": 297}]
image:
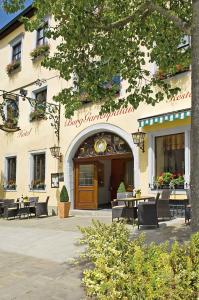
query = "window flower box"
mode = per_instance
[
  {"x": 37, "y": 185},
  {"x": 39, "y": 52},
  {"x": 168, "y": 180},
  {"x": 37, "y": 115},
  {"x": 13, "y": 67},
  {"x": 162, "y": 74},
  {"x": 10, "y": 185}
]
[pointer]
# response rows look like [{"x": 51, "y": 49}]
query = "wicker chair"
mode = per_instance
[
  {"x": 42, "y": 208},
  {"x": 119, "y": 210},
  {"x": 147, "y": 213},
  {"x": 11, "y": 210},
  {"x": 163, "y": 208},
  {"x": 33, "y": 202}
]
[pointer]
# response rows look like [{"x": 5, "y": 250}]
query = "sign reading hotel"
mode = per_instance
[{"x": 89, "y": 117}]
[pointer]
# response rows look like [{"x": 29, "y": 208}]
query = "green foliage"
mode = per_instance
[
  {"x": 37, "y": 115},
  {"x": 138, "y": 191},
  {"x": 130, "y": 269},
  {"x": 121, "y": 188},
  {"x": 40, "y": 51},
  {"x": 102, "y": 38},
  {"x": 64, "y": 194}
]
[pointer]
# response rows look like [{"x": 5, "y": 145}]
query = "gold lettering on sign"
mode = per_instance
[{"x": 24, "y": 133}]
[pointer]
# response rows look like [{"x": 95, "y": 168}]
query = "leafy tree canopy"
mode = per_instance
[{"x": 103, "y": 38}]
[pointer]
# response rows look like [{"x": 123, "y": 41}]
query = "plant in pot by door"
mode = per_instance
[
  {"x": 122, "y": 193},
  {"x": 64, "y": 204}
]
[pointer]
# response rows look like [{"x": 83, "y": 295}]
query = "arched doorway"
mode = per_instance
[
  {"x": 101, "y": 162},
  {"x": 80, "y": 138}
]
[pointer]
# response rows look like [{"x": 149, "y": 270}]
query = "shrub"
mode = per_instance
[
  {"x": 124, "y": 269},
  {"x": 64, "y": 194},
  {"x": 121, "y": 188}
]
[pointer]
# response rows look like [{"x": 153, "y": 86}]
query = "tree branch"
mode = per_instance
[{"x": 145, "y": 9}]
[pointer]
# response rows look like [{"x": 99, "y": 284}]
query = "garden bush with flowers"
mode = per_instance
[
  {"x": 124, "y": 269},
  {"x": 171, "y": 180}
]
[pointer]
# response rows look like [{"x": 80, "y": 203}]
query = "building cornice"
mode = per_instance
[{"x": 15, "y": 23}]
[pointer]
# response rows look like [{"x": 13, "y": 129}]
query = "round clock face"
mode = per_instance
[{"x": 100, "y": 146}]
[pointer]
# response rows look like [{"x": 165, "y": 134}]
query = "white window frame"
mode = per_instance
[
  {"x": 31, "y": 168},
  {"x": 151, "y": 151},
  {"x": 6, "y": 170}
]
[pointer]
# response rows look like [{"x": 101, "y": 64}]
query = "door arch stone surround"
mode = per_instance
[{"x": 78, "y": 140}]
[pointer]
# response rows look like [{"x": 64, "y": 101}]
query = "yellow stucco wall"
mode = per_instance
[{"x": 39, "y": 136}]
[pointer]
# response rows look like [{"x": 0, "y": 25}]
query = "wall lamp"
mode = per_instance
[
  {"x": 138, "y": 139},
  {"x": 55, "y": 152}
]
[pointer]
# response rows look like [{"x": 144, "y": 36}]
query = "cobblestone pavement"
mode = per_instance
[{"x": 35, "y": 254}]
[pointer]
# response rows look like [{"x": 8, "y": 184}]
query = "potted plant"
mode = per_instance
[
  {"x": 64, "y": 204},
  {"x": 121, "y": 191},
  {"x": 138, "y": 193},
  {"x": 37, "y": 115},
  {"x": 39, "y": 52},
  {"x": 25, "y": 199}
]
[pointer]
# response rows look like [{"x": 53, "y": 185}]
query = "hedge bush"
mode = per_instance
[{"x": 130, "y": 269}]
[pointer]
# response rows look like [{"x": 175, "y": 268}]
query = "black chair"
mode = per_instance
[
  {"x": 163, "y": 207},
  {"x": 42, "y": 208},
  {"x": 32, "y": 205},
  {"x": 119, "y": 210},
  {"x": 147, "y": 213},
  {"x": 1, "y": 207},
  {"x": 188, "y": 208},
  {"x": 11, "y": 210}
]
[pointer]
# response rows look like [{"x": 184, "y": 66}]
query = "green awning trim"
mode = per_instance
[{"x": 167, "y": 117}]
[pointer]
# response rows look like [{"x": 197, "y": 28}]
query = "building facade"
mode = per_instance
[{"x": 97, "y": 151}]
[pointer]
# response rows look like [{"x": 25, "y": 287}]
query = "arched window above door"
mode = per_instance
[{"x": 103, "y": 144}]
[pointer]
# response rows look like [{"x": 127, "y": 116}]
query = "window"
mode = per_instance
[
  {"x": 38, "y": 180},
  {"x": 41, "y": 39},
  {"x": 40, "y": 97},
  {"x": 16, "y": 52},
  {"x": 86, "y": 175},
  {"x": 11, "y": 164},
  {"x": 170, "y": 154},
  {"x": 38, "y": 112}
]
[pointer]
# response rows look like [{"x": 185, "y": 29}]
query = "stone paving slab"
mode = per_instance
[
  {"x": 58, "y": 246},
  {"x": 29, "y": 278}
]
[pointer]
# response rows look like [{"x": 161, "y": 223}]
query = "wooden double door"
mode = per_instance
[{"x": 88, "y": 176}]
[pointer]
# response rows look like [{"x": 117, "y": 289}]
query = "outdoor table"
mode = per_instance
[
  {"x": 131, "y": 200},
  {"x": 25, "y": 210}
]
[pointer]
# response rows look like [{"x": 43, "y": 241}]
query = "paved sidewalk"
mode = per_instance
[
  {"x": 35, "y": 258},
  {"x": 35, "y": 254}
]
